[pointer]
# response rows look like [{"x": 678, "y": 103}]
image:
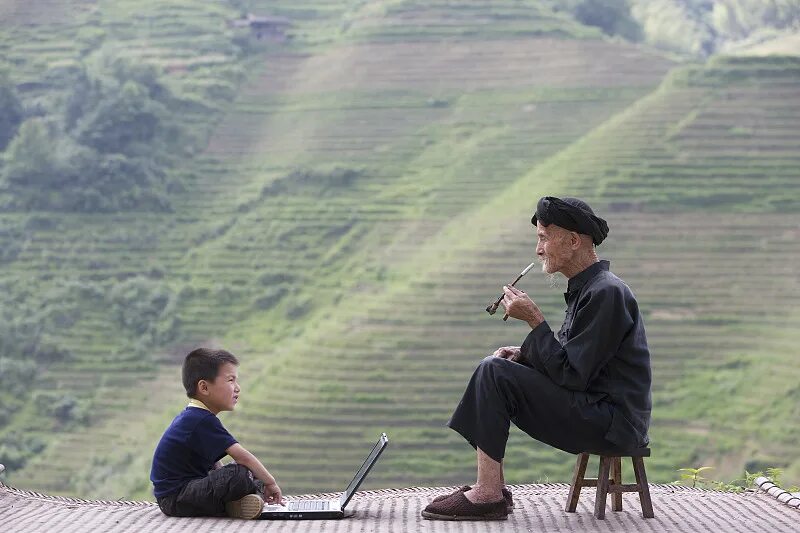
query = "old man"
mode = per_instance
[{"x": 586, "y": 387}]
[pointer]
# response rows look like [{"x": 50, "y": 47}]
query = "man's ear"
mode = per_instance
[
  {"x": 574, "y": 240},
  {"x": 202, "y": 387}
]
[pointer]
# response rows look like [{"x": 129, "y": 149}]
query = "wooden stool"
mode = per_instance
[{"x": 610, "y": 463}]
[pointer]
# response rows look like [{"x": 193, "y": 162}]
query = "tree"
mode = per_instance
[
  {"x": 144, "y": 75},
  {"x": 121, "y": 121},
  {"x": 86, "y": 92},
  {"x": 31, "y": 159},
  {"x": 611, "y": 16},
  {"x": 11, "y": 112},
  {"x": 110, "y": 150}
]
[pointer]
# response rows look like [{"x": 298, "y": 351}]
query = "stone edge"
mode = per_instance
[{"x": 766, "y": 485}]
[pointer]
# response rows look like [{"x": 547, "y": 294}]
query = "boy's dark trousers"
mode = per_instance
[{"x": 207, "y": 496}]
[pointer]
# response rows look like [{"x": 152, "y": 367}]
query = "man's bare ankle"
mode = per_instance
[{"x": 479, "y": 494}]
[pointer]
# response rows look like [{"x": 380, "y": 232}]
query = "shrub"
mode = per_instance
[
  {"x": 121, "y": 122},
  {"x": 299, "y": 308},
  {"x": 145, "y": 308},
  {"x": 104, "y": 147},
  {"x": 30, "y": 159},
  {"x": 611, "y": 16},
  {"x": 11, "y": 242},
  {"x": 47, "y": 170},
  {"x": 11, "y": 112},
  {"x": 15, "y": 375},
  {"x": 270, "y": 298},
  {"x": 319, "y": 181},
  {"x": 16, "y": 448},
  {"x": 63, "y": 408}
]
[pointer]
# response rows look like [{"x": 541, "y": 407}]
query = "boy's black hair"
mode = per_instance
[{"x": 203, "y": 363}]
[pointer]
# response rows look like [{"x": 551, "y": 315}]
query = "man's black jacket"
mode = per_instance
[{"x": 601, "y": 352}]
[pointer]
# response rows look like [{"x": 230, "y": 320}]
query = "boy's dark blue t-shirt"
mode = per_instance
[{"x": 190, "y": 446}]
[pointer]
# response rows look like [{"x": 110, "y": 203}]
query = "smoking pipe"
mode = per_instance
[{"x": 491, "y": 309}]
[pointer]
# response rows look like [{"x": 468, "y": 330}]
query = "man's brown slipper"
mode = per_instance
[
  {"x": 458, "y": 507},
  {"x": 506, "y": 496}
]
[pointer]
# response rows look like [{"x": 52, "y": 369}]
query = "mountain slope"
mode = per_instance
[
  {"x": 364, "y": 198},
  {"x": 313, "y": 189}
]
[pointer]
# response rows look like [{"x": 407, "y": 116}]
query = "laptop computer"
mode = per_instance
[{"x": 325, "y": 509}]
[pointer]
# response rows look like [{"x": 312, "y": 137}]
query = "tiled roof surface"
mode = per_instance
[
  {"x": 538, "y": 508},
  {"x": 792, "y": 499}
]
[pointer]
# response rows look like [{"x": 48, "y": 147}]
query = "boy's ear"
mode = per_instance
[{"x": 202, "y": 387}]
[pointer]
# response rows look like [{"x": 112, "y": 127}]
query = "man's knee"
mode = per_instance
[
  {"x": 490, "y": 370},
  {"x": 493, "y": 364}
]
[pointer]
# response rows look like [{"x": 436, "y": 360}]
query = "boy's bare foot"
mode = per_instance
[{"x": 247, "y": 508}]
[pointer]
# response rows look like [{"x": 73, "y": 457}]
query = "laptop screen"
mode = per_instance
[{"x": 383, "y": 441}]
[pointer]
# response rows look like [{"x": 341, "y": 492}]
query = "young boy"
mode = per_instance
[{"x": 188, "y": 479}]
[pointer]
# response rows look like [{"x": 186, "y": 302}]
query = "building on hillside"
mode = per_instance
[{"x": 264, "y": 27}]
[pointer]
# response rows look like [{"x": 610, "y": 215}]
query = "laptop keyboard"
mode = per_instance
[{"x": 309, "y": 505}]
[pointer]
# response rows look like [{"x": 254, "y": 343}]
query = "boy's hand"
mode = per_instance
[{"x": 272, "y": 494}]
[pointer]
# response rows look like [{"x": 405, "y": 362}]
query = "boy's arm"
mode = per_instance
[{"x": 272, "y": 492}]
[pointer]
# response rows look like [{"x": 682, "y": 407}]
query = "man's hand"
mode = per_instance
[
  {"x": 519, "y": 305},
  {"x": 272, "y": 494},
  {"x": 508, "y": 352}
]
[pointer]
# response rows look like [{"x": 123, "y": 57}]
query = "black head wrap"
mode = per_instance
[{"x": 572, "y": 214}]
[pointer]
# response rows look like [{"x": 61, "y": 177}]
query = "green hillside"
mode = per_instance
[
  {"x": 703, "y": 28},
  {"x": 341, "y": 223}
]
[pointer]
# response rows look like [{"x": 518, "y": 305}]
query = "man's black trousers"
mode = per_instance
[{"x": 502, "y": 391}]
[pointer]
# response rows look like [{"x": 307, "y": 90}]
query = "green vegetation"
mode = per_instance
[
  {"x": 611, "y": 16},
  {"x": 696, "y": 478},
  {"x": 11, "y": 112},
  {"x": 105, "y": 143},
  {"x": 702, "y": 28},
  {"x": 338, "y": 208},
  {"x": 694, "y": 475}
]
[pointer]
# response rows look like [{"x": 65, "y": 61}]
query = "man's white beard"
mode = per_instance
[{"x": 552, "y": 279}]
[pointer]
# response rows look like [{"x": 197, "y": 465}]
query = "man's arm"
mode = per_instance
[
  {"x": 520, "y": 306},
  {"x": 272, "y": 493},
  {"x": 600, "y": 325}
]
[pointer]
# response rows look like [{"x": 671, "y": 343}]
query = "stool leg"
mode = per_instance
[
  {"x": 577, "y": 482},
  {"x": 644, "y": 489},
  {"x": 616, "y": 476},
  {"x": 602, "y": 488}
]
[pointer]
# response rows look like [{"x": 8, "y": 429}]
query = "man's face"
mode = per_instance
[{"x": 553, "y": 248}]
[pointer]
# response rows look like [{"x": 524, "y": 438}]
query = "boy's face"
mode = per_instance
[{"x": 222, "y": 394}]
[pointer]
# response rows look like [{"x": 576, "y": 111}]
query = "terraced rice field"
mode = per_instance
[
  {"x": 364, "y": 198},
  {"x": 41, "y": 12}
]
